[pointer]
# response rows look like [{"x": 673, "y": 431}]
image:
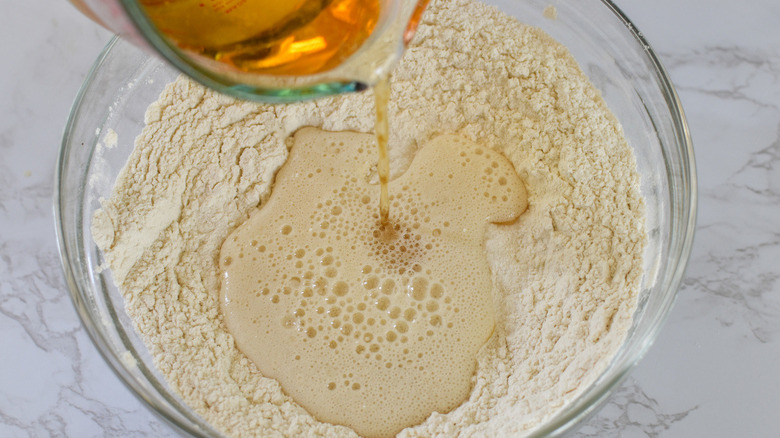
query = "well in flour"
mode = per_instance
[{"x": 384, "y": 316}]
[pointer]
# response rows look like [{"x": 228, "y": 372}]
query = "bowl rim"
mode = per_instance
[
  {"x": 62, "y": 246},
  {"x": 586, "y": 406},
  {"x": 100, "y": 341},
  {"x": 562, "y": 421}
]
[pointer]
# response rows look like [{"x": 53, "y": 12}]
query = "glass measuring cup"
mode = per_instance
[{"x": 268, "y": 50}]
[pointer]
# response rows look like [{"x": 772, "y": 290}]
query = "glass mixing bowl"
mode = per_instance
[{"x": 610, "y": 50}]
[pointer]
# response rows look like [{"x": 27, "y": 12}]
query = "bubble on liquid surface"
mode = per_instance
[{"x": 375, "y": 300}]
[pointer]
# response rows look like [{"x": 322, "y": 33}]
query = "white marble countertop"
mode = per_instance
[{"x": 714, "y": 371}]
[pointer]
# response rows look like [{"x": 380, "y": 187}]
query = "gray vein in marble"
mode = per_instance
[
  {"x": 765, "y": 162},
  {"x": 748, "y": 72},
  {"x": 33, "y": 297},
  {"x": 735, "y": 254},
  {"x": 741, "y": 268},
  {"x": 631, "y": 411}
]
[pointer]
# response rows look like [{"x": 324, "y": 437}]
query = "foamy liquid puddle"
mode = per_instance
[{"x": 385, "y": 318}]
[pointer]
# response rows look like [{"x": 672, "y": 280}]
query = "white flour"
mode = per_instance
[{"x": 566, "y": 274}]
